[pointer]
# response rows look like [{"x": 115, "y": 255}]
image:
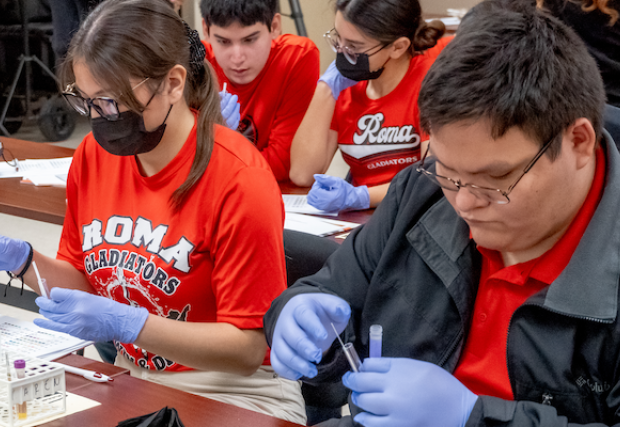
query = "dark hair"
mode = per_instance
[
  {"x": 592, "y": 5},
  {"x": 246, "y": 12},
  {"x": 123, "y": 39},
  {"x": 513, "y": 66},
  {"x": 388, "y": 20}
]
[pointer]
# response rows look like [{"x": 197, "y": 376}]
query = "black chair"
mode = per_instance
[{"x": 305, "y": 255}]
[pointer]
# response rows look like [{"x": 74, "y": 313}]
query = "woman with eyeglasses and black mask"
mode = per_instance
[
  {"x": 366, "y": 102},
  {"x": 172, "y": 241}
]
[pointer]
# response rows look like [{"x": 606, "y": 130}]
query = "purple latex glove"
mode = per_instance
[
  {"x": 90, "y": 317},
  {"x": 333, "y": 194},
  {"x": 13, "y": 253},
  {"x": 399, "y": 392},
  {"x": 231, "y": 109},
  {"x": 336, "y": 81},
  {"x": 304, "y": 331}
]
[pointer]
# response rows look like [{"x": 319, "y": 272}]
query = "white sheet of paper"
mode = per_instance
[
  {"x": 24, "y": 337},
  {"x": 36, "y": 167},
  {"x": 75, "y": 403},
  {"x": 316, "y": 226},
  {"x": 298, "y": 203}
]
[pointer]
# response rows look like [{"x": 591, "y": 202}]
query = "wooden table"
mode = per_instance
[
  {"x": 128, "y": 397},
  {"x": 45, "y": 204},
  {"x": 48, "y": 204}
]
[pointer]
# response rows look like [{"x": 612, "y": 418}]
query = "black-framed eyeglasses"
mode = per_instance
[
  {"x": 8, "y": 157},
  {"x": 104, "y": 106},
  {"x": 493, "y": 195},
  {"x": 332, "y": 39}
]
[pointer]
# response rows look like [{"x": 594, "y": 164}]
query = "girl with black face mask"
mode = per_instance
[
  {"x": 172, "y": 243},
  {"x": 366, "y": 102}
]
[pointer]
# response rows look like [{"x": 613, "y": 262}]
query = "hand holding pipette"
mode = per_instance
[
  {"x": 231, "y": 109},
  {"x": 303, "y": 332}
]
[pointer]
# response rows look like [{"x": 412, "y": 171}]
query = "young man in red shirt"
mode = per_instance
[
  {"x": 272, "y": 75},
  {"x": 493, "y": 264}
]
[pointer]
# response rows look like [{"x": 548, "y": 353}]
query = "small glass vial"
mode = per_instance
[
  {"x": 375, "y": 335},
  {"x": 20, "y": 371}
]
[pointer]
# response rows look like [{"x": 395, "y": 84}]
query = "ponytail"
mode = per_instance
[
  {"x": 201, "y": 93},
  {"x": 427, "y": 35}
]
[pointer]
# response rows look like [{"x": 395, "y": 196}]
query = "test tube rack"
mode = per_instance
[{"x": 42, "y": 388}]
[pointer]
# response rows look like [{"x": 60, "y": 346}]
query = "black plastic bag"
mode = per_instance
[{"x": 165, "y": 417}]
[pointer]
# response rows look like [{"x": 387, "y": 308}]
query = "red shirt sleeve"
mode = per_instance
[{"x": 299, "y": 91}]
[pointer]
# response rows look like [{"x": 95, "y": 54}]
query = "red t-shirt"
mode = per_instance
[
  {"x": 219, "y": 259},
  {"x": 274, "y": 103},
  {"x": 380, "y": 137},
  {"x": 483, "y": 366}
]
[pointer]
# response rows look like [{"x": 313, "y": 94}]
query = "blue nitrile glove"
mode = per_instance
[
  {"x": 304, "y": 331},
  {"x": 13, "y": 253},
  {"x": 231, "y": 109},
  {"x": 400, "y": 392},
  {"x": 90, "y": 317},
  {"x": 336, "y": 81},
  {"x": 333, "y": 194}
]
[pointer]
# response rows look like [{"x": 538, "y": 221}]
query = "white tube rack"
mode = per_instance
[{"x": 42, "y": 388}]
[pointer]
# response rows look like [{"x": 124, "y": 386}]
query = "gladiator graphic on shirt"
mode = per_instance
[
  {"x": 248, "y": 128},
  {"x": 134, "y": 276}
]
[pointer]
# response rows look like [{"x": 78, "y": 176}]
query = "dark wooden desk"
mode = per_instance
[
  {"x": 48, "y": 204},
  {"x": 45, "y": 204},
  {"x": 129, "y": 397}
]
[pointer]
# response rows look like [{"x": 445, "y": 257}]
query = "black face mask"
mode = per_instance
[
  {"x": 127, "y": 135},
  {"x": 358, "y": 71}
]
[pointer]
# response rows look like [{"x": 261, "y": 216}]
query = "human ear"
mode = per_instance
[
  {"x": 400, "y": 47},
  {"x": 175, "y": 83},
  {"x": 582, "y": 139},
  {"x": 276, "y": 26}
]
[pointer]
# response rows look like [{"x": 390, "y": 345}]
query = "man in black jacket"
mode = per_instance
[{"x": 494, "y": 264}]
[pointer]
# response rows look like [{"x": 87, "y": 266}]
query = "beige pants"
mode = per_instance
[{"x": 264, "y": 391}]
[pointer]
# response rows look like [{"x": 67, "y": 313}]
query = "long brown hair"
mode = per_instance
[
  {"x": 591, "y": 5},
  {"x": 139, "y": 39}
]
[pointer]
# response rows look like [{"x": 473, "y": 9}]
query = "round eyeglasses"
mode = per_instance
[
  {"x": 104, "y": 106},
  {"x": 331, "y": 37},
  {"x": 8, "y": 157},
  {"x": 492, "y": 195}
]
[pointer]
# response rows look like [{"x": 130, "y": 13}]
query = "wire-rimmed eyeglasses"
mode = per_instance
[
  {"x": 105, "y": 106},
  {"x": 492, "y": 195},
  {"x": 332, "y": 39},
  {"x": 13, "y": 162}
]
